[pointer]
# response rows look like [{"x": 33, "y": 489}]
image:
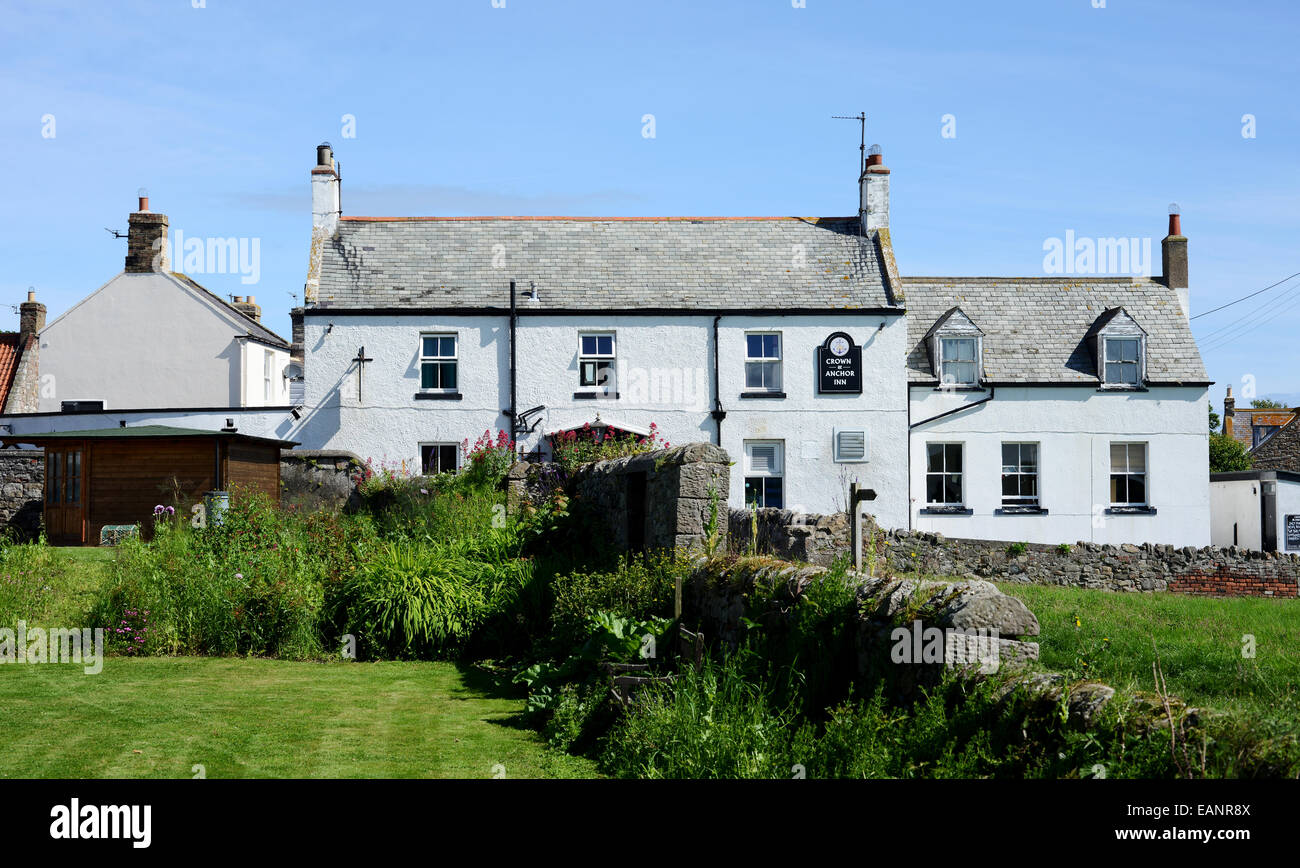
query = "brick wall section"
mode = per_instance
[
  {"x": 1210, "y": 571},
  {"x": 22, "y": 484},
  {"x": 1279, "y": 452}
]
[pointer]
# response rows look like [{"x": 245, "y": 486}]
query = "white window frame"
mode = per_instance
[
  {"x": 440, "y": 360},
  {"x": 1145, "y": 473},
  {"x": 439, "y": 444},
  {"x": 1009, "y": 501},
  {"x": 838, "y": 457},
  {"x": 1106, "y": 362},
  {"x": 944, "y": 472},
  {"x": 777, "y": 471},
  {"x": 944, "y": 361},
  {"x": 773, "y": 362},
  {"x": 598, "y": 358},
  {"x": 268, "y": 366}
]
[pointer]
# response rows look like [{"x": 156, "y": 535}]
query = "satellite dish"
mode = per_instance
[{"x": 293, "y": 371}]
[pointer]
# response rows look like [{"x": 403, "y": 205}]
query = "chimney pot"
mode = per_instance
[
  {"x": 325, "y": 155},
  {"x": 873, "y": 189}
]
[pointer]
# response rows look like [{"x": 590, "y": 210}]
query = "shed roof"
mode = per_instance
[{"x": 142, "y": 432}]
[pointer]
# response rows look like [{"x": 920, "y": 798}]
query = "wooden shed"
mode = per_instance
[{"x": 116, "y": 476}]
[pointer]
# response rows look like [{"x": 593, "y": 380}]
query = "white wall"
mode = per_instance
[
  {"x": 143, "y": 341},
  {"x": 665, "y": 376},
  {"x": 253, "y": 384},
  {"x": 1074, "y": 427},
  {"x": 1236, "y": 502}
]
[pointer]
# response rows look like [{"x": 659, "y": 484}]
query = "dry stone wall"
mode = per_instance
[
  {"x": 1209, "y": 571},
  {"x": 22, "y": 482}
]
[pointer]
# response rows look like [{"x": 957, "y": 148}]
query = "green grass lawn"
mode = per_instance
[
  {"x": 159, "y": 717},
  {"x": 1199, "y": 642}
]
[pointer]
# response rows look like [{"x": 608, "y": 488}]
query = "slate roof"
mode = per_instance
[
  {"x": 577, "y": 263},
  {"x": 1035, "y": 329}
]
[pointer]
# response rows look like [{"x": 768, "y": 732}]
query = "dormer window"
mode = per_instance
[
  {"x": 1122, "y": 361},
  {"x": 1118, "y": 344},
  {"x": 955, "y": 349},
  {"x": 957, "y": 361}
]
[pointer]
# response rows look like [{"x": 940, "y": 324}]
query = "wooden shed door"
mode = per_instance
[{"x": 65, "y": 507}]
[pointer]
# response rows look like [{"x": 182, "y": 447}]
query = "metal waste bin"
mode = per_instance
[{"x": 215, "y": 504}]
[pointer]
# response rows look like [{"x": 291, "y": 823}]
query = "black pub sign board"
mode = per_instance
[
  {"x": 1292, "y": 533},
  {"x": 839, "y": 366}
]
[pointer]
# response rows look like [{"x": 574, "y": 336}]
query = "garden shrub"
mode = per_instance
[
  {"x": 638, "y": 587},
  {"x": 29, "y": 577}
]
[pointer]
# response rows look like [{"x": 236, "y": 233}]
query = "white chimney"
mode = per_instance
[
  {"x": 325, "y": 209},
  {"x": 873, "y": 187}
]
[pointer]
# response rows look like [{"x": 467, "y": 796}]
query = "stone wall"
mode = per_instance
[
  {"x": 660, "y": 499},
  {"x": 967, "y": 624},
  {"x": 313, "y": 479},
  {"x": 1208, "y": 571},
  {"x": 22, "y": 483}
]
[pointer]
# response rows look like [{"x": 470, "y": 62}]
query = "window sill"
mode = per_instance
[
  {"x": 1131, "y": 510},
  {"x": 964, "y": 387},
  {"x": 1020, "y": 510},
  {"x": 762, "y": 394},
  {"x": 946, "y": 510},
  {"x": 1111, "y": 387},
  {"x": 438, "y": 396},
  {"x": 592, "y": 396}
]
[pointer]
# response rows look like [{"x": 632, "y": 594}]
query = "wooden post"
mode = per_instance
[
  {"x": 855, "y": 525},
  {"x": 857, "y": 495}
]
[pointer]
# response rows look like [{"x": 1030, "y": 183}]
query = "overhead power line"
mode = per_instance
[{"x": 1246, "y": 297}]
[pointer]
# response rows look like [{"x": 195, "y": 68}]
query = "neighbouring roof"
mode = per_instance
[
  {"x": 597, "y": 263},
  {"x": 1036, "y": 330},
  {"x": 1246, "y": 419},
  {"x": 139, "y": 432},
  {"x": 186, "y": 283},
  {"x": 11, "y": 353}
]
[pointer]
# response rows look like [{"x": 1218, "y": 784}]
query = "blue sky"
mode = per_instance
[{"x": 1067, "y": 117}]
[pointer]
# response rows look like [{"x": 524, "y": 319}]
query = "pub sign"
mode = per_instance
[{"x": 839, "y": 366}]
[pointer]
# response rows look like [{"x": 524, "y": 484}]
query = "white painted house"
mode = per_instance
[
  {"x": 1037, "y": 409},
  {"x": 709, "y": 328},
  {"x": 154, "y": 339}
]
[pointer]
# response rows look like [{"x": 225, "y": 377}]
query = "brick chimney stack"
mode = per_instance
[
  {"x": 873, "y": 189},
  {"x": 146, "y": 241},
  {"x": 1229, "y": 410},
  {"x": 1173, "y": 257},
  {"x": 31, "y": 316},
  {"x": 247, "y": 305}
]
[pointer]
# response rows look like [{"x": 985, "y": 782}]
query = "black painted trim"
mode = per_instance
[
  {"x": 941, "y": 511},
  {"x": 1131, "y": 510},
  {"x": 438, "y": 396},
  {"x": 595, "y": 396},
  {"x": 1020, "y": 510},
  {"x": 762, "y": 394}
]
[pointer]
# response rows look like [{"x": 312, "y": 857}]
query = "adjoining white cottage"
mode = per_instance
[
  {"x": 1256, "y": 509},
  {"x": 1053, "y": 411},
  {"x": 1035, "y": 409}
]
